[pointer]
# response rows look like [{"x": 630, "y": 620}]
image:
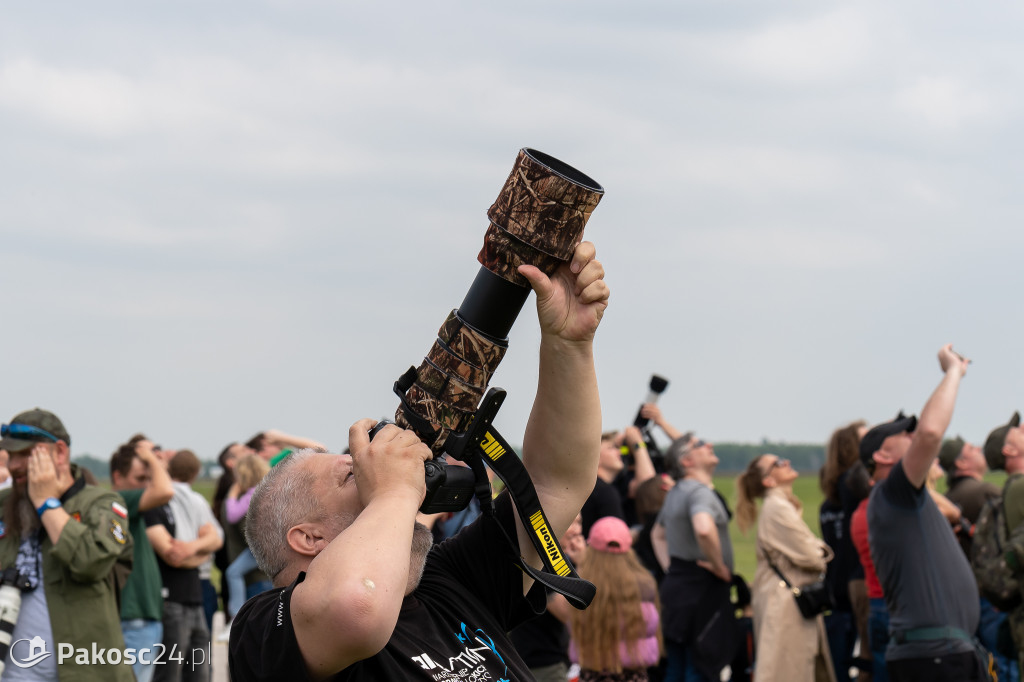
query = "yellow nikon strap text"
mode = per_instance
[{"x": 558, "y": 573}]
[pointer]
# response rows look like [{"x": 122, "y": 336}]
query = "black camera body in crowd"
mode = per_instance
[{"x": 449, "y": 486}]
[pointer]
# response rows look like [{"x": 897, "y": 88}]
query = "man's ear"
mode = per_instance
[
  {"x": 307, "y": 539},
  {"x": 1009, "y": 450},
  {"x": 62, "y": 454}
]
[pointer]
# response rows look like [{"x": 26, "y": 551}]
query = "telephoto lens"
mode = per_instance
[
  {"x": 537, "y": 219},
  {"x": 10, "y": 606},
  {"x": 656, "y": 388}
]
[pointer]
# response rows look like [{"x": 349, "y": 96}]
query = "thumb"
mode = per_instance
[{"x": 540, "y": 282}]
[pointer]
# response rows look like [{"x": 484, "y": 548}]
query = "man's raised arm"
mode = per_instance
[
  {"x": 563, "y": 436},
  {"x": 935, "y": 418}
]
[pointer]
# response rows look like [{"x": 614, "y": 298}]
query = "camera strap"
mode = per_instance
[
  {"x": 558, "y": 573},
  {"x": 480, "y": 443}
]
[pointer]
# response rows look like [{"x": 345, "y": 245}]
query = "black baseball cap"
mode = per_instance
[
  {"x": 995, "y": 442},
  {"x": 874, "y": 438},
  {"x": 39, "y": 420}
]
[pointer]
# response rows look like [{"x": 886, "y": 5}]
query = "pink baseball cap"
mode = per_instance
[{"x": 610, "y": 534}]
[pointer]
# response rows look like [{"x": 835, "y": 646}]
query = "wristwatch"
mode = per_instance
[{"x": 50, "y": 503}]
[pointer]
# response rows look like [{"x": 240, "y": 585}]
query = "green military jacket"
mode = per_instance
[{"x": 82, "y": 575}]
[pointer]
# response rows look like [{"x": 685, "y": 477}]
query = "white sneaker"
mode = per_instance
[{"x": 224, "y": 635}]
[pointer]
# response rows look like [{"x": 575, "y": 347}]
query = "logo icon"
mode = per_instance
[{"x": 36, "y": 652}]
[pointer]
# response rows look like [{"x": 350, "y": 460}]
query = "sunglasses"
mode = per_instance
[
  {"x": 777, "y": 463},
  {"x": 24, "y": 430}
]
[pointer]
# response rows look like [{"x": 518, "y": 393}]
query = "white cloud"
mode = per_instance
[
  {"x": 816, "y": 49},
  {"x": 787, "y": 246},
  {"x": 944, "y": 103},
  {"x": 757, "y": 170}
]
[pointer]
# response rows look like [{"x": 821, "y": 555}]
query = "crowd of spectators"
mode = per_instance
[{"x": 130, "y": 568}]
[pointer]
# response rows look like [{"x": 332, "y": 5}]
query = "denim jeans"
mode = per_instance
[
  {"x": 680, "y": 668},
  {"x": 142, "y": 634},
  {"x": 187, "y": 645},
  {"x": 209, "y": 601},
  {"x": 842, "y": 634},
  {"x": 242, "y": 564},
  {"x": 878, "y": 633}
]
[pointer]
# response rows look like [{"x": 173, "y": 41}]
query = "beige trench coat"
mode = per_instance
[{"x": 790, "y": 648}]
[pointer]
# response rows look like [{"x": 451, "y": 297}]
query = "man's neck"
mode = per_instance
[
  {"x": 969, "y": 474},
  {"x": 700, "y": 476},
  {"x": 606, "y": 475}
]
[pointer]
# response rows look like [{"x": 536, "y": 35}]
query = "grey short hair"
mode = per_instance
[
  {"x": 679, "y": 448},
  {"x": 283, "y": 499}
]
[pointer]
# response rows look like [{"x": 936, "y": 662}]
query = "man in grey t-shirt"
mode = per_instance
[
  {"x": 689, "y": 499},
  {"x": 691, "y": 541},
  {"x": 929, "y": 587}
]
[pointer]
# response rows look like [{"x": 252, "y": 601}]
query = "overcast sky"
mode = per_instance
[{"x": 221, "y": 217}]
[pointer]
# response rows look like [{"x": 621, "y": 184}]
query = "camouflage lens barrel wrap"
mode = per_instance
[
  {"x": 452, "y": 379},
  {"x": 470, "y": 345},
  {"x": 502, "y": 254},
  {"x": 447, "y": 388},
  {"x": 442, "y": 357},
  {"x": 538, "y": 217}
]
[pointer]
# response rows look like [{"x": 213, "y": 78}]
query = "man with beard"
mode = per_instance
[
  {"x": 66, "y": 539},
  {"x": 358, "y": 597}
]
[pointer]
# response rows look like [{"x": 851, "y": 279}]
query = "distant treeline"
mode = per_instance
[
  {"x": 805, "y": 458},
  {"x": 733, "y": 458},
  {"x": 100, "y": 468}
]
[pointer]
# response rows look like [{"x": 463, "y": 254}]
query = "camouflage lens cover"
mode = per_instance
[
  {"x": 447, "y": 388},
  {"x": 470, "y": 345},
  {"x": 445, "y": 417},
  {"x": 502, "y": 254},
  {"x": 447, "y": 361},
  {"x": 545, "y": 203}
]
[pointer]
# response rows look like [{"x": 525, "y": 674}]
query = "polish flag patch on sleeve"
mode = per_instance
[{"x": 119, "y": 509}]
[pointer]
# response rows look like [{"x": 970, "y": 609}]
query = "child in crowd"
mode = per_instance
[{"x": 618, "y": 637}]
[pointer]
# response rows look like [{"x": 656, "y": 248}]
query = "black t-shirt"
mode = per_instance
[
  {"x": 542, "y": 641},
  {"x": 181, "y": 585},
  {"x": 927, "y": 580},
  {"x": 853, "y": 486},
  {"x": 605, "y": 500},
  {"x": 452, "y": 627}
]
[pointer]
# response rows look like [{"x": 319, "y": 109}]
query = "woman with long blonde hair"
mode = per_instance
[
  {"x": 789, "y": 647},
  {"x": 618, "y": 637}
]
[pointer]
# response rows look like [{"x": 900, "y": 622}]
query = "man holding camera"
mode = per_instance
[
  {"x": 66, "y": 539},
  {"x": 358, "y": 597}
]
